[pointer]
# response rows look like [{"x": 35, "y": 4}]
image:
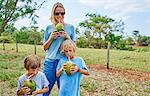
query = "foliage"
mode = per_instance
[
  {"x": 82, "y": 42},
  {"x": 28, "y": 37},
  {"x": 6, "y": 38},
  {"x": 12, "y": 10},
  {"x": 96, "y": 25},
  {"x": 130, "y": 41},
  {"x": 143, "y": 40}
]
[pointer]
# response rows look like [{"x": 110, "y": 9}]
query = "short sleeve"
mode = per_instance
[
  {"x": 83, "y": 65},
  {"x": 59, "y": 65},
  {"x": 20, "y": 82},
  {"x": 47, "y": 33},
  {"x": 73, "y": 35},
  {"x": 45, "y": 81},
  {"x": 19, "y": 85}
]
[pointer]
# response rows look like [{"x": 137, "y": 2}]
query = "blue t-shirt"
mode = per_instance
[
  {"x": 39, "y": 78},
  {"x": 70, "y": 85},
  {"x": 54, "y": 51}
]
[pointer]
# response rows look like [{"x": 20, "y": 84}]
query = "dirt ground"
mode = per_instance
[
  {"x": 129, "y": 74},
  {"x": 116, "y": 82}
]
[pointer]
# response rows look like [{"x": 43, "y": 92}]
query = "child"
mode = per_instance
[
  {"x": 32, "y": 65},
  {"x": 70, "y": 85}
]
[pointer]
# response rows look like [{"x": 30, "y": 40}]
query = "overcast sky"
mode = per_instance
[{"x": 134, "y": 13}]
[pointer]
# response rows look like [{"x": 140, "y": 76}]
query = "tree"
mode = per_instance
[
  {"x": 143, "y": 40},
  {"x": 12, "y": 10},
  {"x": 95, "y": 25},
  {"x": 136, "y": 35},
  {"x": 5, "y": 38},
  {"x": 130, "y": 41}
]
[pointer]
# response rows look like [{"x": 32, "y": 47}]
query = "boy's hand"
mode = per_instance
[
  {"x": 74, "y": 69},
  {"x": 35, "y": 93},
  {"x": 25, "y": 90},
  {"x": 64, "y": 66}
]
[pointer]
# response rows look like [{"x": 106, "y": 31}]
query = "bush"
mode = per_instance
[
  {"x": 28, "y": 37},
  {"x": 6, "y": 39},
  {"x": 82, "y": 42}
]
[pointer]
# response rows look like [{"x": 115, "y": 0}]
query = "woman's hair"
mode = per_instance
[
  {"x": 58, "y": 4},
  {"x": 68, "y": 44},
  {"x": 32, "y": 61}
]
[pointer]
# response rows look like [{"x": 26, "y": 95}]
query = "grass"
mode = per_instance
[
  {"x": 118, "y": 58},
  {"x": 11, "y": 62},
  {"x": 90, "y": 86}
]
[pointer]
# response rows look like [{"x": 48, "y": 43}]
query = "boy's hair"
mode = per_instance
[
  {"x": 67, "y": 44},
  {"x": 32, "y": 61}
]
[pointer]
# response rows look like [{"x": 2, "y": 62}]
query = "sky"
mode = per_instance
[{"x": 134, "y": 13}]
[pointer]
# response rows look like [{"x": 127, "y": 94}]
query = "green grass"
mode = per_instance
[
  {"x": 11, "y": 62},
  {"x": 90, "y": 86},
  {"x": 118, "y": 58}
]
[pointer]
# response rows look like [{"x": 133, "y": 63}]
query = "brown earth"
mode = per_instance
[{"x": 129, "y": 74}]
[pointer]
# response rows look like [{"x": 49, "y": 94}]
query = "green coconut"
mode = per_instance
[
  {"x": 69, "y": 64},
  {"x": 31, "y": 84},
  {"x": 59, "y": 27}
]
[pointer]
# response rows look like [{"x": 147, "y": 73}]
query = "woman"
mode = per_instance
[{"x": 53, "y": 41}]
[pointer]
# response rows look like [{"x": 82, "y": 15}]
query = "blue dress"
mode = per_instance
[{"x": 70, "y": 85}]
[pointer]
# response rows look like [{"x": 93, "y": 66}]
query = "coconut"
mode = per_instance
[
  {"x": 68, "y": 71},
  {"x": 31, "y": 84},
  {"x": 59, "y": 27}
]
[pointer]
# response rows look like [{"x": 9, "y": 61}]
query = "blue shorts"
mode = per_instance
[{"x": 50, "y": 72}]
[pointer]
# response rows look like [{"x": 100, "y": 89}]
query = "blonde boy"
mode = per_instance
[{"x": 70, "y": 85}]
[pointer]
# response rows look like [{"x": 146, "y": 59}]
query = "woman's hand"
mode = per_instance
[{"x": 55, "y": 34}]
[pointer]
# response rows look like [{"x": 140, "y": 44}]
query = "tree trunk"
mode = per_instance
[
  {"x": 16, "y": 44},
  {"x": 3, "y": 45},
  {"x": 108, "y": 53},
  {"x": 34, "y": 43}
]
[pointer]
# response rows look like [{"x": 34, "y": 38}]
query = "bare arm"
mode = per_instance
[
  {"x": 48, "y": 42},
  {"x": 44, "y": 90},
  {"x": 59, "y": 72},
  {"x": 82, "y": 71}
]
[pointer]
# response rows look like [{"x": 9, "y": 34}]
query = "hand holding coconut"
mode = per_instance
[
  {"x": 59, "y": 31},
  {"x": 70, "y": 68}
]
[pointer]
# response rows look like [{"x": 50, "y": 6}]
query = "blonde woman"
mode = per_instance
[{"x": 53, "y": 41}]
